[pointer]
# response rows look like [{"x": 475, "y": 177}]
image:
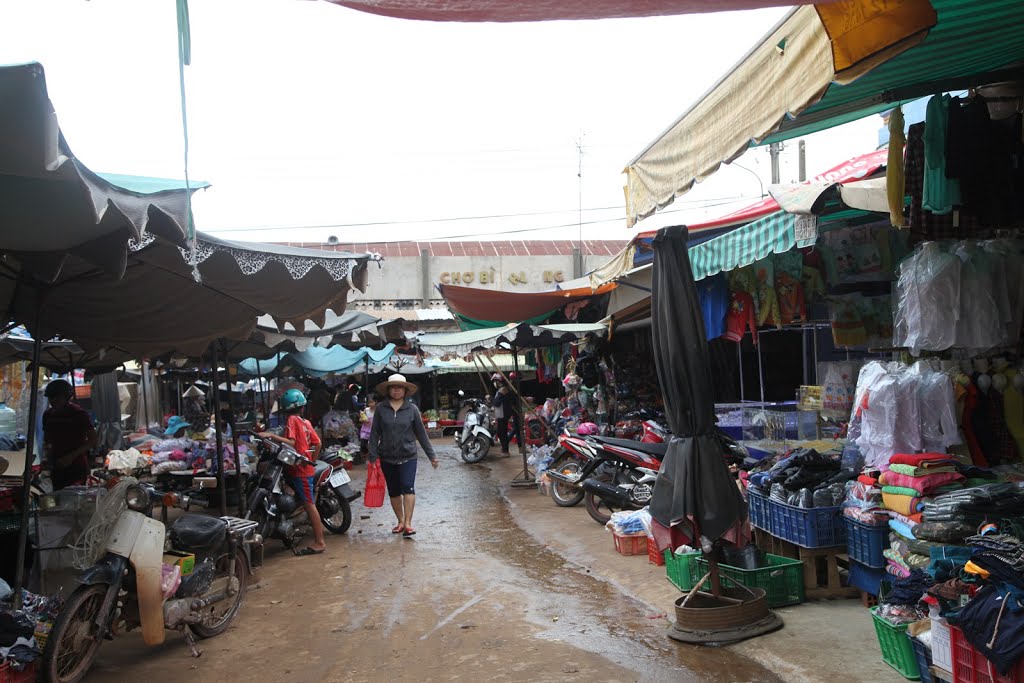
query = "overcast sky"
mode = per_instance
[{"x": 302, "y": 113}]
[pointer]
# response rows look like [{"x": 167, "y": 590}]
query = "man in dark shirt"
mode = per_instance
[{"x": 68, "y": 435}]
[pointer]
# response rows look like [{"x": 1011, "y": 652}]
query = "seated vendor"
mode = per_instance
[
  {"x": 68, "y": 435},
  {"x": 177, "y": 427}
]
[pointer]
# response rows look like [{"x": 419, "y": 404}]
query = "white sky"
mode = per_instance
[{"x": 303, "y": 113}]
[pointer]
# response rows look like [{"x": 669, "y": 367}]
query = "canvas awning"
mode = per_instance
[
  {"x": 492, "y": 305},
  {"x": 548, "y": 10},
  {"x": 521, "y": 334},
  {"x": 318, "y": 361},
  {"x": 785, "y": 88},
  {"x": 62, "y": 356},
  {"x": 335, "y": 329}
]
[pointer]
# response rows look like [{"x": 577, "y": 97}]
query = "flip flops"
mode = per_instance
[
  {"x": 398, "y": 529},
  {"x": 309, "y": 551},
  {"x": 409, "y": 532}
]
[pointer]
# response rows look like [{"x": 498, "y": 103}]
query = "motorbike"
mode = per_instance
[
  {"x": 123, "y": 590},
  {"x": 475, "y": 439},
  {"x": 619, "y": 474},
  {"x": 276, "y": 509}
]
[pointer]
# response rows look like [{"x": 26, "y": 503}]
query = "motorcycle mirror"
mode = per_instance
[{"x": 461, "y": 392}]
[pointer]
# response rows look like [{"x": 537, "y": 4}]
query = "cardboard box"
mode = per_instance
[
  {"x": 942, "y": 654},
  {"x": 187, "y": 561}
]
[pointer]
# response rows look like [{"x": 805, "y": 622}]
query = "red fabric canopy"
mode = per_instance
[
  {"x": 857, "y": 168},
  {"x": 511, "y": 307},
  {"x": 550, "y": 10}
]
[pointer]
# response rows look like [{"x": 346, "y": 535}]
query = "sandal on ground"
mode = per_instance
[
  {"x": 409, "y": 531},
  {"x": 398, "y": 529},
  {"x": 310, "y": 551}
]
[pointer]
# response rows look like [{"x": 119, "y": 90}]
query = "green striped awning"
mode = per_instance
[{"x": 773, "y": 234}]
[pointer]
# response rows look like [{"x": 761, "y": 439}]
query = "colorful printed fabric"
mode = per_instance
[
  {"x": 912, "y": 471},
  {"x": 922, "y": 459},
  {"x": 922, "y": 485}
]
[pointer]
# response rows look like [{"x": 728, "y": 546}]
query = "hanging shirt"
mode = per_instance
[
  {"x": 940, "y": 193},
  {"x": 814, "y": 288},
  {"x": 927, "y": 300},
  {"x": 765, "y": 298},
  {"x": 1013, "y": 409},
  {"x": 894, "y": 172},
  {"x": 790, "y": 293},
  {"x": 847, "y": 320},
  {"x": 740, "y": 317},
  {"x": 714, "y": 304}
]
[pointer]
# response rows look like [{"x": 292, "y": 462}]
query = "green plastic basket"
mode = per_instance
[
  {"x": 897, "y": 650},
  {"x": 782, "y": 580},
  {"x": 680, "y": 569}
]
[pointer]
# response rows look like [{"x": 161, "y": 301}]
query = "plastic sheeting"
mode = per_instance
[
  {"x": 695, "y": 494},
  {"x": 317, "y": 361}
]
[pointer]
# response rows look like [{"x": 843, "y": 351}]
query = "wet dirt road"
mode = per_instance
[{"x": 472, "y": 597}]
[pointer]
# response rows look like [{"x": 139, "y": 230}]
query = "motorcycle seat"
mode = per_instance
[
  {"x": 655, "y": 449},
  {"x": 198, "y": 532},
  {"x": 319, "y": 468}
]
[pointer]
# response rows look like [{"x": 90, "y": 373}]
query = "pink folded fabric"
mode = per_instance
[
  {"x": 922, "y": 485},
  {"x": 922, "y": 459}
]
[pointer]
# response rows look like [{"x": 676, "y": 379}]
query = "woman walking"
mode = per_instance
[{"x": 397, "y": 426}]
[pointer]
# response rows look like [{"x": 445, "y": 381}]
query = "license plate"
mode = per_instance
[{"x": 339, "y": 477}]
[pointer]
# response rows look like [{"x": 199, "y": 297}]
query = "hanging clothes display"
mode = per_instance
[
  {"x": 740, "y": 318},
  {"x": 927, "y": 299},
  {"x": 713, "y": 293},
  {"x": 940, "y": 193}
]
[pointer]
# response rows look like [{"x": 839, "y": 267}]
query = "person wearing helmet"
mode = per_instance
[
  {"x": 300, "y": 435},
  {"x": 506, "y": 410},
  {"x": 68, "y": 435}
]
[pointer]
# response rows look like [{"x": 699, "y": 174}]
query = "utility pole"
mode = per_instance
[
  {"x": 802, "y": 154},
  {"x": 774, "y": 149},
  {"x": 577, "y": 265}
]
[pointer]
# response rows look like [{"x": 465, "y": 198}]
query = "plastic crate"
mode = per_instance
[
  {"x": 807, "y": 527},
  {"x": 924, "y": 660},
  {"x": 630, "y": 545},
  {"x": 782, "y": 580},
  {"x": 679, "y": 569},
  {"x": 653, "y": 555},
  {"x": 865, "y": 543},
  {"x": 897, "y": 650},
  {"x": 867, "y": 579},
  {"x": 9, "y": 674},
  {"x": 970, "y": 666},
  {"x": 757, "y": 503}
]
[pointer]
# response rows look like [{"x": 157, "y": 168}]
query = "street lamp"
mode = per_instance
[{"x": 759, "y": 181}]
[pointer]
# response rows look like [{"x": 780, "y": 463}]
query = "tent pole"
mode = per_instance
[
  {"x": 259, "y": 383},
  {"x": 217, "y": 432},
  {"x": 145, "y": 400},
  {"x": 739, "y": 358},
  {"x": 524, "y": 478},
  {"x": 234, "y": 438},
  {"x": 30, "y": 444},
  {"x": 760, "y": 372}
]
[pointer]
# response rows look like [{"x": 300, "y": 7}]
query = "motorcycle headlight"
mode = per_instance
[
  {"x": 137, "y": 498},
  {"x": 288, "y": 457}
]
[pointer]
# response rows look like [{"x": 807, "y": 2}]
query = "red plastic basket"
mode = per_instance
[
  {"x": 630, "y": 545},
  {"x": 652, "y": 553},
  {"x": 10, "y": 675},
  {"x": 970, "y": 666}
]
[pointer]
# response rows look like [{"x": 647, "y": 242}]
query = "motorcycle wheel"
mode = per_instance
[
  {"x": 340, "y": 521},
  {"x": 74, "y": 641},
  {"x": 476, "y": 450},
  {"x": 598, "y": 509},
  {"x": 221, "y": 614},
  {"x": 564, "y": 495}
]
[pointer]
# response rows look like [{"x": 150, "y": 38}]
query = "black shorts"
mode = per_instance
[{"x": 400, "y": 478}]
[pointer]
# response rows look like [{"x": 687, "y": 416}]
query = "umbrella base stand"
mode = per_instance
[
  {"x": 740, "y": 613},
  {"x": 524, "y": 479}
]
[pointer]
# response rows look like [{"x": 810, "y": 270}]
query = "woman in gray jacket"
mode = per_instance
[{"x": 397, "y": 426}]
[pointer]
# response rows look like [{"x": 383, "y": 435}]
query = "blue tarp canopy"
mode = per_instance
[{"x": 318, "y": 361}]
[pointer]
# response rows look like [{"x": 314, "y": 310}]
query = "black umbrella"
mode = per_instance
[{"x": 695, "y": 495}]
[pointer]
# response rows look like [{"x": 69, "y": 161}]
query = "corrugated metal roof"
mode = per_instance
[
  {"x": 476, "y": 248},
  {"x": 972, "y": 37}
]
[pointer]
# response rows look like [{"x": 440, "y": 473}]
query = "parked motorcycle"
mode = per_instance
[
  {"x": 568, "y": 461},
  {"x": 475, "y": 439},
  {"x": 276, "y": 509},
  {"x": 123, "y": 589}
]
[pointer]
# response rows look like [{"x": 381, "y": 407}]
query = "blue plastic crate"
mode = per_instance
[
  {"x": 924, "y": 660},
  {"x": 867, "y": 579},
  {"x": 807, "y": 527},
  {"x": 865, "y": 543},
  {"x": 757, "y": 503}
]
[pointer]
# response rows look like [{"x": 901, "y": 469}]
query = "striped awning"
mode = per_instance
[{"x": 774, "y": 234}]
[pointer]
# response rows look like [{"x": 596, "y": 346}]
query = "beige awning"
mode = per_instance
[{"x": 786, "y": 72}]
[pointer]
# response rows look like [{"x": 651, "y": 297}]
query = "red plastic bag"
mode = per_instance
[{"x": 373, "y": 497}]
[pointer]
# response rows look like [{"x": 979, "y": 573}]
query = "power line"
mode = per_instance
[
  {"x": 617, "y": 219},
  {"x": 710, "y": 203}
]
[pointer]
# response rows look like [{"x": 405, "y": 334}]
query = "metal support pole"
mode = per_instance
[
  {"x": 217, "y": 433},
  {"x": 806, "y": 360},
  {"x": 524, "y": 478},
  {"x": 30, "y": 444},
  {"x": 234, "y": 440},
  {"x": 760, "y": 372},
  {"x": 739, "y": 358},
  {"x": 145, "y": 399}
]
